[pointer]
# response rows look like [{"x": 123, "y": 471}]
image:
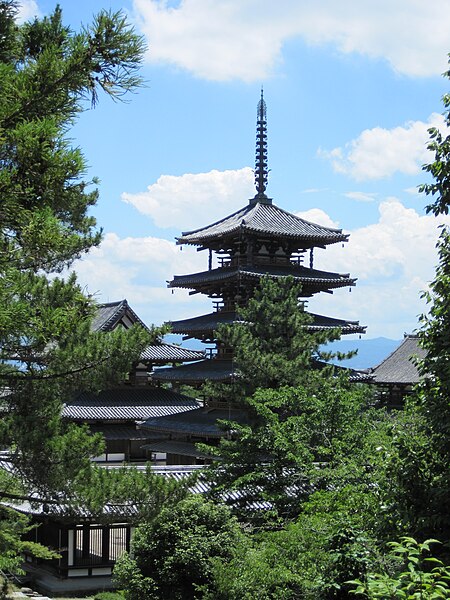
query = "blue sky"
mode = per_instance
[{"x": 351, "y": 88}]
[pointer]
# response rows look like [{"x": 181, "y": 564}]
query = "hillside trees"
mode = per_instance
[{"x": 48, "y": 76}]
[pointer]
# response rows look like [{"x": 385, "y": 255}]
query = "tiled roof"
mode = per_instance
[
  {"x": 198, "y": 422},
  {"x": 127, "y": 403},
  {"x": 170, "y": 353},
  {"x": 210, "y": 322},
  {"x": 208, "y": 369},
  {"x": 399, "y": 366},
  {"x": 302, "y": 275},
  {"x": 268, "y": 219},
  {"x": 108, "y": 315}
]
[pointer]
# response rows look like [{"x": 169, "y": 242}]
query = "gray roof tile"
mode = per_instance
[
  {"x": 399, "y": 366},
  {"x": 108, "y": 315},
  {"x": 268, "y": 219},
  {"x": 127, "y": 403},
  {"x": 170, "y": 352},
  {"x": 208, "y": 369},
  {"x": 303, "y": 275},
  {"x": 198, "y": 422}
]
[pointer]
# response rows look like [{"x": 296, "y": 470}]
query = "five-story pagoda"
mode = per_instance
[{"x": 258, "y": 240}]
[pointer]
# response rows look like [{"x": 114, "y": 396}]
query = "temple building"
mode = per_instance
[
  {"x": 117, "y": 412},
  {"x": 397, "y": 374},
  {"x": 259, "y": 240}
]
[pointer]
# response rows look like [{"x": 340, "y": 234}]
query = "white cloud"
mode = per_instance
[
  {"x": 394, "y": 261},
  {"x": 361, "y": 196},
  {"x": 194, "y": 200},
  {"x": 243, "y": 39},
  {"x": 28, "y": 9},
  {"x": 379, "y": 152},
  {"x": 137, "y": 269},
  {"x": 319, "y": 216}
]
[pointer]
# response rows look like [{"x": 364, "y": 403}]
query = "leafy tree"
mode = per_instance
[
  {"x": 48, "y": 75},
  {"x": 418, "y": 575},
  {"x": 172, "y": 554},
  {"x": 421, "y": 470}
]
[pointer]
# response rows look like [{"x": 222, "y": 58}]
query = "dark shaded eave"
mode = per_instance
[
  {"x": 198, "y": 372},
  {"x": 399, "y": 367},
  {"x": 268, "y": 220},
  {"x": 207, "y": 324},
  {"x": 303, "y": 275}
]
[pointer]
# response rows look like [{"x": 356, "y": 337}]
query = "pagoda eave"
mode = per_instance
[
  {"x": 224, "y": 280},
  {"x": 204, "y": 326}
]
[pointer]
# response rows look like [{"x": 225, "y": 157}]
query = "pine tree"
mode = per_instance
[
  {"x": 48, "y": 76},
  {"x": 300, "y": 411}
]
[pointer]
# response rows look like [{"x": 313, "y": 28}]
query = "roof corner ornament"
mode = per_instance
[{"x": 261, "y": 170}]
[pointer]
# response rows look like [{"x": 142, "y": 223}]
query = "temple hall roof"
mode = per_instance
[
  {"x": 127, "y": 403},
  {"x": 198, "y": 422},
  {"x": 269, "y": 220},
  {"x": 399, "y": 367},
  {"x": 109, "y": 315},
  {"x": 170, "y": 353},
  {"x": 211, "y": 321},
  {"x": 303, "y": 275}
]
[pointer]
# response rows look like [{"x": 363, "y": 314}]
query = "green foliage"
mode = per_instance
[
  {"x": 47, "y": 350},
  {"x": 300, "y": 411},
  {"x": 171, "y": 555},
  {"x": 418, "y": 575},
  {"x": 109, "y": 596},
  {"x": 271, "y": 344},
  {"x": 420, "y": 469},
  {"x": 138, "y": 495}
]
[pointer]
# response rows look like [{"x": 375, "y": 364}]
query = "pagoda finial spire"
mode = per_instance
[{"x": 261, "y": 170}]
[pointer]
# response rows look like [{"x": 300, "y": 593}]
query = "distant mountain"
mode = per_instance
[{"x": 370, "y": 351}]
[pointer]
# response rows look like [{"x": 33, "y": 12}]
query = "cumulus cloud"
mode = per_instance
[
  {"x": 137, "y": 269},
  {"x": 394, "y": 261},
  {"x": 378, "y": 152},
  {"x": 243, "y": 39},
  {"x": 28, "y": 9},
  {"x": 193, "y": 200},
  {"x": 319, "y": 216}
]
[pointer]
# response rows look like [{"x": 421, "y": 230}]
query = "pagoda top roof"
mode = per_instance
[
  {"x": 399, "y": 366},
  {"x": 266, "y": 219}
]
